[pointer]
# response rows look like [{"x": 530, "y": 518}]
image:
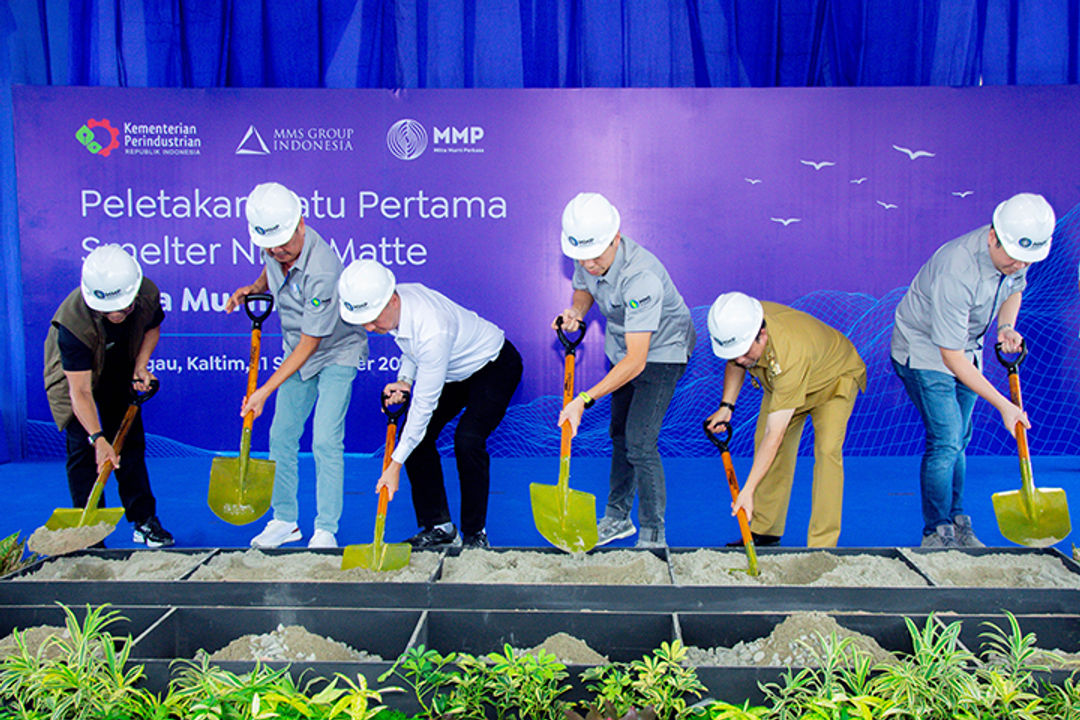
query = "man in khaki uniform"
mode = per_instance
[{"x": 805, "y": 368}]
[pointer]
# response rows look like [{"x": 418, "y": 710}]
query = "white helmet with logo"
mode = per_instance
[
  {"x": 273, "y": 212},
  {"x": 364, "y": 289},
  {"x": 111, "y": 278},
  {"x": 734, "y": 323},
  {"x": 589, "y": 225},
  {"x": 1024, "y": 225}
]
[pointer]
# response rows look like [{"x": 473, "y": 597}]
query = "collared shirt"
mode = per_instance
[
  {"x": 803, "y": 360},
  {"x": 306, "y": 301},
  {"x": 440, "y": 342},
  {"x": 951, "y": 302},
  {"x": 636, "y": 294}
]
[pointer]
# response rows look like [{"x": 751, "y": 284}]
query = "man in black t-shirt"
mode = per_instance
[{"x": 98, "y": 348}]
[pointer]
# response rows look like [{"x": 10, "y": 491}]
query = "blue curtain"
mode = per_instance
[{"x": 502, "y": 43}]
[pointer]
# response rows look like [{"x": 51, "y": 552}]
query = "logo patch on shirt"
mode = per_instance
[
  {"x": 635, "y": 304},
  {"x": 317, "y": 302}
]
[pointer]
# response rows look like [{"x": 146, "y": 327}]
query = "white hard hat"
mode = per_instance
[
  {"x": 273, "y": 212},
  {"x": 110, "y": 278},
  {"x": 364, "y": 289},
  {"x": 1024, "y": 225},
  {"x": 734, "y": 323},
  {"x": 589, "y": 224}
]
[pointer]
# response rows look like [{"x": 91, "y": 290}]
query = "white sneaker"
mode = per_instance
[
  {"x": 322, "y": 539},
  {"x": 275, "y": 533}
]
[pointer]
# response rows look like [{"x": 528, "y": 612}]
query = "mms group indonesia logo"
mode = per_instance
[
  {"x": 101, "y": 142},
  {"x": 407, "y": 139}
]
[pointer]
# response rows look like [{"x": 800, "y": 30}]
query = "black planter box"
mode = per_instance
[{"x": 183, "y": 631}]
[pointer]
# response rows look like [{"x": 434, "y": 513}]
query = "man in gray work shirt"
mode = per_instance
[
  {"x": 648, "y": 340},
  {"x": 937, "y": 346},
  {"x": 321, "y": 357}
]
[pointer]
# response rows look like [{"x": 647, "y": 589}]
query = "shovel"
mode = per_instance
[
  {"x": 240, "y": 487},
  {"x": 566, "y": 518},
  {"x": 1035, "y": 517},
  {"x": 380, "y": 556},
  {"x": 91, "y": 514},
  {"x": 733, "y": 485}
]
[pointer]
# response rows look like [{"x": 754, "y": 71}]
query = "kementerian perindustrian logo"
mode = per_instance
[
  {"x": 407, "y": 139},
  {"x": 99, "y": 143}
]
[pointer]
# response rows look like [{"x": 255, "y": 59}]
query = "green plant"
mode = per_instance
[
  {"x": 206, "y": 692},
  {"x": 12, "y": 551},
  {"x": 726, "y": 711},
  {"x": 525, "y": 685},
  {"x": 81, "y": 676},
  {"x": 837, "y": 686},
  {"x": 661, "y": 681},
  {"x": 425, "y": 672},
  {"x": 934, "y": 680},
  {"x": 1062, "y": 702},
  {"x": 468, "y": 696},
  {"x": 1014, "y": 653}
]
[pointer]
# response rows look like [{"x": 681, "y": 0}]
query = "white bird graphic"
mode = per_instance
[
  {"x": 817, "y": 165},
  {"x": 963, "y": 193},
  {"x": 786, "y": 221},
  {"x": 858, "y": 181},
  {"x": 752, "y": 181},
  {"x": 887, "y": 206},
  {"x": 913, "y": 153}
]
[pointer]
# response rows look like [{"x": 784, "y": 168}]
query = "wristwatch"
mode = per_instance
[
  {"x": 95, "y": 436},
  {"x": 587, "y": 399}
]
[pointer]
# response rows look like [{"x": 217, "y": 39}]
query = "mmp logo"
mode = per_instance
[
  {"x": 98, "y": 143},
  {"x": 407, "y": 139}
]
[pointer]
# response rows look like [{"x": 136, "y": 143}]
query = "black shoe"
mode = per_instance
[
  {"x": 476, "y": 540},
  {"x": 759, "y": 540},
  {"x": 435, "y": 538},
  {"x": 151, "y": 533}
]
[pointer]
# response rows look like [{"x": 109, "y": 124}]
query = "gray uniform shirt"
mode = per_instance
[
  {"x": 306, "y": 301},
  {"x": 636, "y": 295},
  {"x": 950, "y": 303}
]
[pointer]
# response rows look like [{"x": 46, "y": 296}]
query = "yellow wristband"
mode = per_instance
[{"x": 587, "y": 399}]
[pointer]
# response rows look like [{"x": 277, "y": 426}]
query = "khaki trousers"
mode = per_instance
[{"x": 829, "y": 411}]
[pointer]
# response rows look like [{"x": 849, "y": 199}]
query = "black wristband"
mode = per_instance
[
  {"x": 95, "y": 436},
  {"x": 725, "y": 404}
]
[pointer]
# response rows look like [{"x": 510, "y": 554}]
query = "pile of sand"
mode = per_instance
[
  {"x": 290, "y": 644},
  {"x": 140, "y": 565},
  {"x": 66, "y": 540},
  {"x": 308, "y": 566},
  {"x": 1000, "y": 570},
  {"x": 620, "y": 567},
  {"x": 35, "y": 638},
  {"x": 793, "y": 643},
  {"x": 815, "y": 569},
  {"x": 569, "y": 650}
]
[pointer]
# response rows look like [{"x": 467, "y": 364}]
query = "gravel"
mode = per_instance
[
  {"x": 814, "y": 569},
  {"x": 620, "y": 567}
]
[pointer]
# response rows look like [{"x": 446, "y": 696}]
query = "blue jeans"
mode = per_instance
[
  {"x": 637, "y": 411},
  {"x": 945, "y": 405},
  {"x": 332, "y": 387}
]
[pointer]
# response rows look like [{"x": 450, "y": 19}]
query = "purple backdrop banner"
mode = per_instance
[{"x": 782, "y": 193}]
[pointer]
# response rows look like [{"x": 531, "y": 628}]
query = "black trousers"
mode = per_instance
[
  {"x": 131, "y": 478},
  {"x": 484, "y": 396}
]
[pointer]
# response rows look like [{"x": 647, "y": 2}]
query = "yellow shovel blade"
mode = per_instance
[
  {"x": 381, "y": 557},
  {"x": 566, "y": 518},
  {"x": 240, "y": 495},
  {"x": 73, "y": 517},
  {"x": 1036, "y": 519}
]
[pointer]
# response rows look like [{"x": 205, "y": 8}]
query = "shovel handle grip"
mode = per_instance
[
  {"x": 384, "y": 500},
  {"x": 393, "y": 415},
  {"x": 721, "y": 445},
  {"x": 569, "y": 343},
  {"x": 138, "y": 398},
  {"x": 1011, "y": 365},
  {"x": 257, "y": 318}
]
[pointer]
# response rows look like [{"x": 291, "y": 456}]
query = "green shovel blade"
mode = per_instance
[
  {"x": 237, "y": 494},
  {"x": 565, "y": 518},
  {"x": 1034, "y": 518},
  {"x": 62, "y": 518}
]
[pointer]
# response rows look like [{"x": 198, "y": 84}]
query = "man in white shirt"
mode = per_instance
[{"x": 452, "y": 361}]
